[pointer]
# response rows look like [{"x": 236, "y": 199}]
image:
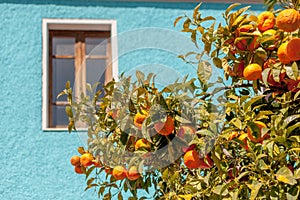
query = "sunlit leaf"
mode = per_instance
[
  {"x": 285, "y": 175},
  {"x": 254, "y": 187},
  {"x": 204, "y": 71},
  {"x": 237, "y": 123},
  {"x": 232, "y": 6}
]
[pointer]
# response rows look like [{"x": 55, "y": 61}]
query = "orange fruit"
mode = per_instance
[
  {"x": 191, "y": 159},
  {"x": 139, "y": 118},
  {"x": 133, "y": 173},
  {"x": 282, "y": 54},
  {"x": 252, "y": 72},
  {"x": 165, "y": 128},
  {"x": 79, "y": 169},
  {"x": 119, "y": 172},
  {"x": 293, "y": 49},
  {"x": 288, "y": 20},
  {"x": 259, "y": 137},
  {"x": 142, "y": 143},
  {"x": 266, "y": 21},
  {"x": 75, "y": 160},
  {"x": 86, "y": 159}
]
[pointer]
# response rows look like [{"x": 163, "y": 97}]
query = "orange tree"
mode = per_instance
[{"x": 197, "y": 139}]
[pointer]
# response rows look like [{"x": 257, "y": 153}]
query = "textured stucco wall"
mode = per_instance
[{"x": 35, "y": 164}]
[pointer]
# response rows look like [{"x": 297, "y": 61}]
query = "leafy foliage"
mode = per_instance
[{"x": 246, "y": 133}]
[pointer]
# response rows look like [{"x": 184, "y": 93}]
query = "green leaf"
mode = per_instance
[
  {"x": 165, "y": 174},
  {"x": 194, "y": 37},
  {"x": 217, "y": 62},
  {"x": 265, "y": 75},
  {"x": 89, "y": 87},
  {"x": 235, "y": 195},
  {"x": 285, "y": 175},
  {"x": 238, "y": 21},
  {"x": 290, "y": 72},
  {"x": 62, "y": 93},
  {"x": 177, "y": 20},
  {"x": 71, "y": 126},
  {"x": 232, "y": 6},
  {"x": 68, "y": 110},
  {"x": 254, "y": 187},
  {"x": 204, "y": 71},
  {"x": 101, "y": 190},
  {"x": 262, "y": 165},
  {"x": 90, "y": 186},
  {"x": 186, "y": 25},
  {"x": 295, "y": 138},
  {"x": 297, "y": 173},
  {"x": 237, "y": 123},
  {"x": 293, "y": 193},
  {"x": 219, "y": 190},
  {"x": 289, "y": 119},
  {"x": 120, "y": 197},
  {"x": 196, "y": 10},
  {"x": 182, "y": 120},
  {"x": 107, "y": 196},
  {"x": 90, "y": 181},
  {"x": 253, "y": 100},
  {"x": 68, "y": 85},
  {"x": 290, "y": 129},
  {"x": 208, "y": 18},
  {"x": 89, "y": 171},
  {"x": 140, "y": 76}
]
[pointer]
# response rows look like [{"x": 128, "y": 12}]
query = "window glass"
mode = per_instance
[
  {"x": 62, "y": 71},
  {"x": 63, "y": 46},
  {"x": 59, "y": 117},
  {"x": 96, "y": 46}
]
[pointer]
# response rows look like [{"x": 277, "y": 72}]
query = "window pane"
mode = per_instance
[
  {"x": 63, "y": 70},
  {"x": 96, "y": 46},
  {"x": 63, "y": 46},
  {"x": 59, "y": 116},
  {"x": 95, "y": 71}
]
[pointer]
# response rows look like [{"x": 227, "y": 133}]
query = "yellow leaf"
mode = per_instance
[
  {"x": 295, "y": 149},
  {"x": 282, "y": 179},
  {"x": 243, "y": 136},
  {"x": 186, "y": 196}
]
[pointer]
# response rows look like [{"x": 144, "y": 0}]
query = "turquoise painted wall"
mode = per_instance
[{"x": 35, "y": 164}]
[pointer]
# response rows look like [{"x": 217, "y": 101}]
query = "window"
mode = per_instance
[{"x": 79, "y": 51}]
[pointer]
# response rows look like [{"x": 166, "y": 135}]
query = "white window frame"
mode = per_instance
[{"x": 72, "y": 24}]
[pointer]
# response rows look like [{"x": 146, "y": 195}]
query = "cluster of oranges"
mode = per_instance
[
  {"x": 119, "y": 172},
  {"x": 274, "y": 34},
  {"x": 80, "y": 163}
]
